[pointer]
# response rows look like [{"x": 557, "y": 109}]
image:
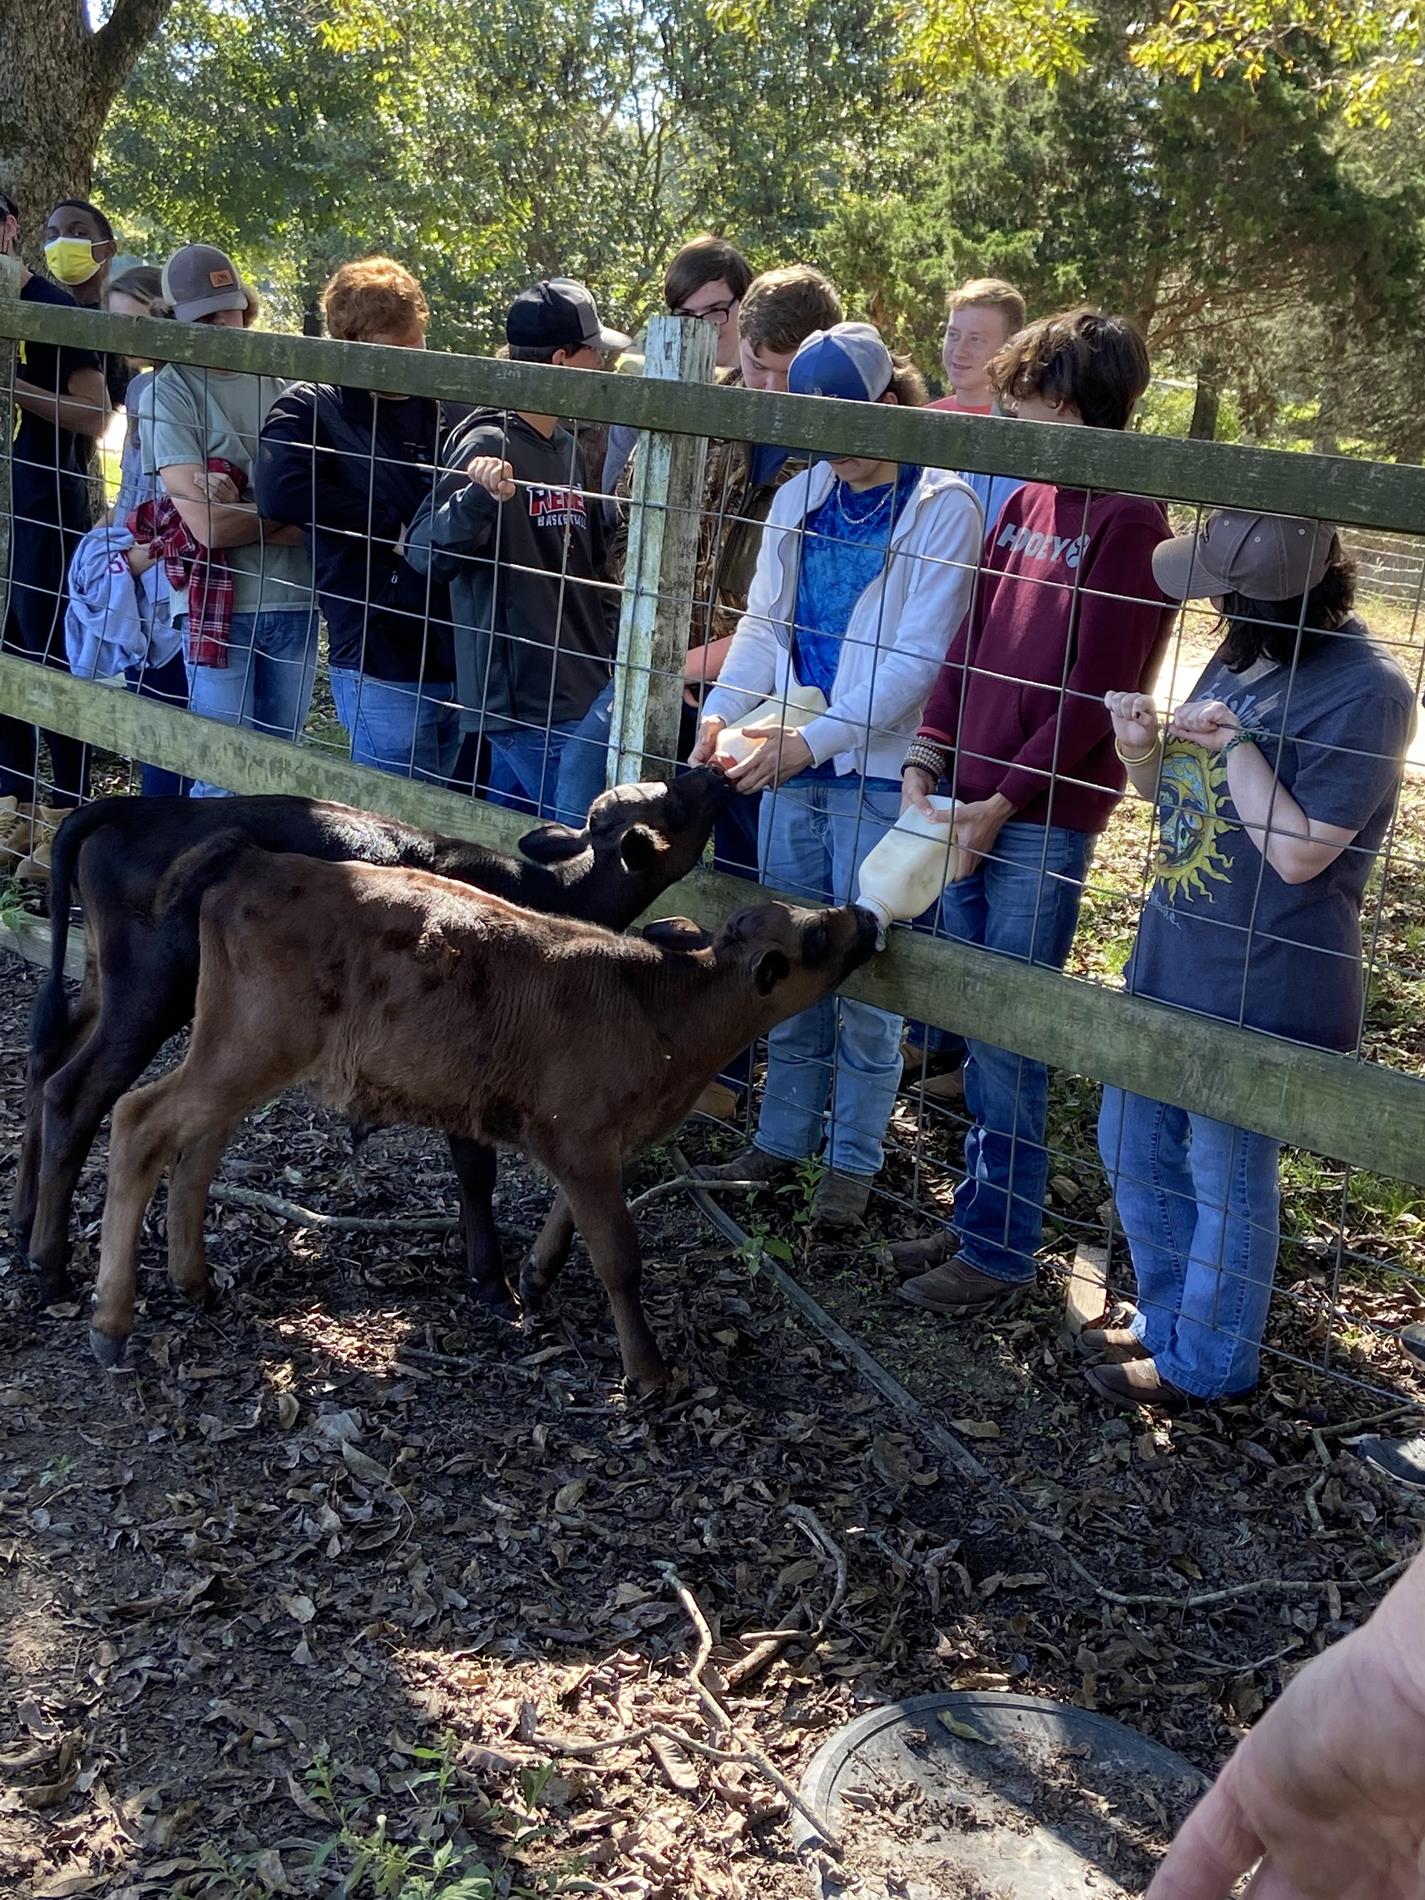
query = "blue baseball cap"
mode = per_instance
[{"x": 848, "y": 360}]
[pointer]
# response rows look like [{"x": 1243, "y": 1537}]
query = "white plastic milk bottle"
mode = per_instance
[
  {"x": 910, "y": 867},
  {"x": 801, "y": 705}
]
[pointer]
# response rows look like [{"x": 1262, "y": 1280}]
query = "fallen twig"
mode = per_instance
[
  {"x": 747, "y": 1758},
  {"x": 718, "y": 1718},
  {"x": 1263, "y": 1586},
  {"x": 688, "y": 1184},
  {"x": 803, "y": 1515},
  {"x": 346, "y": 1223}
]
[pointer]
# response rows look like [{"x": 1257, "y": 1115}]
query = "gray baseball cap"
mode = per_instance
[
  {"x": 1265, "y": 557},
  {"x": 200, "y": 279}
]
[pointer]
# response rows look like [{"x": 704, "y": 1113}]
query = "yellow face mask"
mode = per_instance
[{"x": 71, "y": 260}]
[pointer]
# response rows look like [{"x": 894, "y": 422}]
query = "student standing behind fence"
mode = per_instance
[
  {"x": 1274, "y": 786},
  {"x": 139, "y": 293},
  {"x": 520, "y": 544},
  {"x": 779, "y": 311},
  {"x": 980, "y": 318},
  {"x": 60, "y": 407},
  {"x": 707, "y": 279},
  {"x": 1016, "y": 726},
  {"x": 245, "y": 603},
  {"x": 866, "y": 569},
  {"x": 353, "y": 470}
]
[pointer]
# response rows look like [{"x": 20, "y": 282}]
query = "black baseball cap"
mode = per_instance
[{"x": 559, "y": 314}]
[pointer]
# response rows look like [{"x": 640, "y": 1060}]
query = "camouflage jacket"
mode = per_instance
[{"x": 729, "y": 532}]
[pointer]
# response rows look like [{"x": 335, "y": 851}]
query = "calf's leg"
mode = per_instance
[
  {"x": 50, "y": 1049},
  {"x": 548, "y": 1252},
  {"x": 597, "y": 1205},
  {"x": 188, "y": 1182},
  {"x": 475, "y": 1171},
  {"x": 145, "y": 1135},
  {"x": 227, "y": 1072}
]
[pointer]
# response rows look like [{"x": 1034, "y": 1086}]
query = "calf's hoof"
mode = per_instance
[
  {"x": 496, "y": 1300},
  {"x": 533, "y": 1287},
  {"x": 109, "y": 1352},
  {"x": 651, "y": 1379},
  {"x": 204, "y": 1297},
  {"x": 54, "y": 1284}
]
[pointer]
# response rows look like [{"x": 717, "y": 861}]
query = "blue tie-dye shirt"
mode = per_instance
[{"x": 844, "y": 546}]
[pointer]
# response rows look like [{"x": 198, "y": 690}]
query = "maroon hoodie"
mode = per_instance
[{"x": 1066, "y": 609}]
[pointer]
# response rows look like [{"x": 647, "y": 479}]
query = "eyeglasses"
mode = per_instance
[{"x": 717, "y": 313}]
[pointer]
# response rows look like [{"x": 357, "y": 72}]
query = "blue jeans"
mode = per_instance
[
  {"x": 168, "y": 683},
  {"x": 584, "y": 761},
  {"x": 1200, "y": 1207},
  {"x": 1024, "y": 902},
  {"x": 407, "y": 727},
  {"x": 525, "y": 770},
  {"x": 815, "y": 834},
  {"x": 266, "y": 684}
]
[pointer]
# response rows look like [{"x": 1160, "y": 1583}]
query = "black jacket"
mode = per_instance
[
  {"x": 318, "y": 466},
  {"x": 534, "y": 631}
]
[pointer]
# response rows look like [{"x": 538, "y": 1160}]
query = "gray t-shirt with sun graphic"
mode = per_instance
[{"x": 1221, "y": 932}]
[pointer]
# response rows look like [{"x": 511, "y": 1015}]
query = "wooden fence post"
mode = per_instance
[{"x": 657, "y": 606}]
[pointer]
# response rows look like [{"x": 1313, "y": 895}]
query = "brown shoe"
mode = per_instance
[
  {"x": 909, "y": 1257},
  {"x": 840, "y": 1200},
  {"x": 17, "y": 824},
  {"x": 1138, "y": 1385},
  {"x": 956, "y": 1288},
  {"x": 753, "y": 1164},
  {"x": 45, "y": 821},
  {"x": 1109, "y": 1346}
]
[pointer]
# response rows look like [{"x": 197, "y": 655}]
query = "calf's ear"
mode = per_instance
[
  {"x": 677, "y": 933},
  {"x": 641, "y": 848},
  {"x": 553, "y": 844},
  {"x": 770, "y": 969}
]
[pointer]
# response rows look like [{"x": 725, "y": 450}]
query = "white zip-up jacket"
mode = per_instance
[{"x": 899, "y": 629}]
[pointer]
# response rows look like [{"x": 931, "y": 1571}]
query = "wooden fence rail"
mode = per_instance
[{"x": 1351, "y": 1111}]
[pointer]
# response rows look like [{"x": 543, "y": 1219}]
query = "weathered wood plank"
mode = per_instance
[
  {"x": 243, "y": 761},
  {"x": 1360, "y": 1113},
  {"x": 659, "y": 568},
  {"x": 1331, "y": 488}
]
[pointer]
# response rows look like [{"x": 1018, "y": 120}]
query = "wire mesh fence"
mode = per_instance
[{"x": 1209, "y": 903}]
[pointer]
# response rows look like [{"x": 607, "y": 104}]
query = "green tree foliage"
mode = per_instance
[
  {"x": 1273, "y": 250},
  {"x": 491, "y": 141}
]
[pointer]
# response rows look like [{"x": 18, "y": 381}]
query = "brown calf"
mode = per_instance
[
  {"x": 141, "y": 972},
  {"x": 397, "y": 996}
]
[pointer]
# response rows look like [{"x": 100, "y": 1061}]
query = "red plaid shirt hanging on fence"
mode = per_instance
[{"x": 205, "y": 571}]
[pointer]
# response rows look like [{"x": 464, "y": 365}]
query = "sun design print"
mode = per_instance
[{"x": 1192, "y": 822}]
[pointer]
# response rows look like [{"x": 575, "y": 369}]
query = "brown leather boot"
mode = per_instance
[
  {"x": 17, "y": 823},
  {"x": 1138, "y": 1385},
  {"x": 1109, "y": 1345},
  {"x": 753, "y": 1164},
  {"x": 44, "y": 823},
  {"x": 956, "y": 1289},
  {"x": 840, "y": 1200}
]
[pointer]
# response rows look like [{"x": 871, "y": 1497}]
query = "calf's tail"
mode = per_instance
[{"x": 193, "y": 873}]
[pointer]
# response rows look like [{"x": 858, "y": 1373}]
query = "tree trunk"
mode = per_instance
[
  {"x": 58, "y": 79},
  {"x": 1208, "y": 401}
]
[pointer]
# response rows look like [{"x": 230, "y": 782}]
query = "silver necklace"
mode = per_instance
[{"x": 848, "y": 514}]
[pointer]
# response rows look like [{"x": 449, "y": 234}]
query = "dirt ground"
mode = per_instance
[{"x": 315, "y": 1596}]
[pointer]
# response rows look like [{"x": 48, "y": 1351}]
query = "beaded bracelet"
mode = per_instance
[
  {"x": 1240, "y": 737},
  {"x": 926, "y": 758}
]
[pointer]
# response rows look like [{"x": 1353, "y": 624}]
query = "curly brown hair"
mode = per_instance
[
  {"x": 373, "y": 296},
  {"x": 1096, "y": 362}
]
